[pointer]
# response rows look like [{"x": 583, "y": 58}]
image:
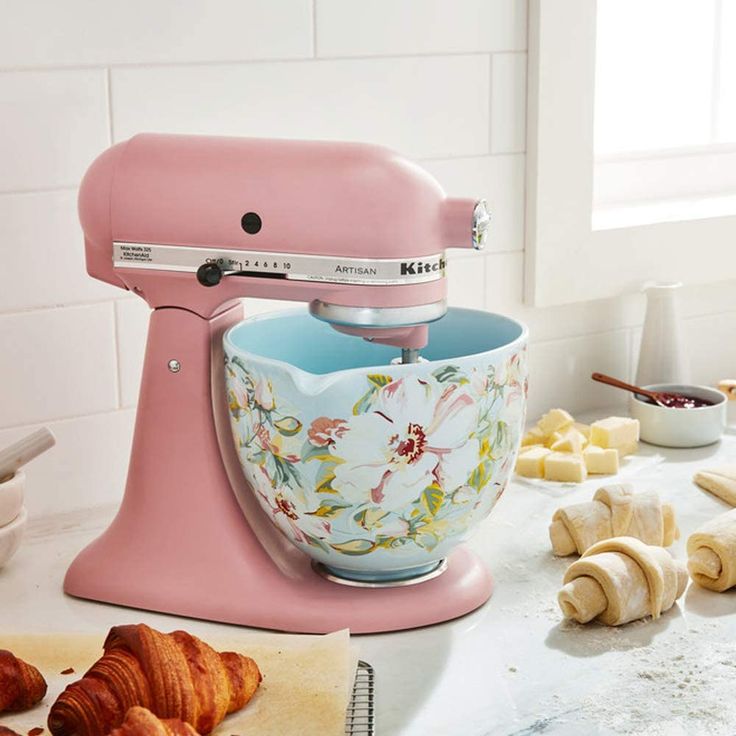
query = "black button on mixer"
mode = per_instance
[
  {"x": 209, "y": 274},
  {"x": 251, "y": 223}
]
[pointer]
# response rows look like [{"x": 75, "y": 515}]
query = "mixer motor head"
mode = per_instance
[{"x": 354, "y": 230}]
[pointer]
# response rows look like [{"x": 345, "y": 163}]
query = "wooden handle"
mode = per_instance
[
  {"x": 23, "y": 451},
  {"x": 616, "y": 383}
]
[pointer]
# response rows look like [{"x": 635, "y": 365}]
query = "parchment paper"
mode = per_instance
[{"x": 307, "y": 680}]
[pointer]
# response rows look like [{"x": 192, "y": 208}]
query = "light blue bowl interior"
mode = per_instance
[{"x": 300, "y": 340}]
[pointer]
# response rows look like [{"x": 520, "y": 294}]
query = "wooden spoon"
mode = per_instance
[
  {"x": 668, "y": 400},
  {"x": 24, "y": 450}
]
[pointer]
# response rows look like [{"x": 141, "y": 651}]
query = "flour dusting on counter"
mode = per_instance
[{"x": 668, "y": 688}]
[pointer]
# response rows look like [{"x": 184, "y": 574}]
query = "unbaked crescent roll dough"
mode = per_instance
[
  {"x": 712, "y": 553},
  {"x": 620, "y": 580},
  {"x": 615, "y": 511},
  {"x": 719, "y": 481}
]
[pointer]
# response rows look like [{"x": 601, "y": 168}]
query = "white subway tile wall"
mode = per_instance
[
  {"x": 389, "y": 28},
  {"x": 54, "y": 123},
  {"x": 443, "y": 81},
  {"x": 86, "y": 468},
  {"x": 41, "y": 231},
  {"x": 58, "y": 363},
  {"x": 395, "y": 101},
  {"x": 508, "y": 112},
  {"x": 41, "y": 33}
]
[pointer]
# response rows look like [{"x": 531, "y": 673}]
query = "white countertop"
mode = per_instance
[{"x": 509, "y": 668}]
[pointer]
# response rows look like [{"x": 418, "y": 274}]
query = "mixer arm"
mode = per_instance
[{"x": 410, "y": 338}]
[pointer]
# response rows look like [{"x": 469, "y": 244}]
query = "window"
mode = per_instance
[
  {"x": 665, "y": 117},
  {"x": 631, "y": 145}
]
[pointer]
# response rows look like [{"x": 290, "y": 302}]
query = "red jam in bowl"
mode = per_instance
[{"x": 679, "y": 401}]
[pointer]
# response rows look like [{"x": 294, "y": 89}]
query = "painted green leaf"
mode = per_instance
[
  {"x": 288, "y": 426},
  {"x": 355, "y": 547},
  {"x": 368, "y": 518},
  {"x": 364, "y": 402},
  {"x": 316, "y": 542},
  {"x": 379, "y": 380},
  {"x": 325, "y": 476},
  {"x": 450, "y": 374},
  {"x": 330, "y": 508},
  {"x": 431, "y": 498},
  {"x": 391, "y": 542},
  {"x": 313, "y": 452},
  {"x": 480, "y": 476}
]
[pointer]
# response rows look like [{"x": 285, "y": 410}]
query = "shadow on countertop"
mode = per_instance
[
  {"x": 593, "y": 639},
  {"x": 708, "y": 603}
]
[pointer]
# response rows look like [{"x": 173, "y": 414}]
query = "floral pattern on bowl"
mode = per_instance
[{"x": 398, "y": 468}]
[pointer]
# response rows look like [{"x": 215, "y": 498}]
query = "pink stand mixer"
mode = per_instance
[{"x": 192, "y": 224}]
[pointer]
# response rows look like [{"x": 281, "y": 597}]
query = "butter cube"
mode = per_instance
[
  {"x": 533, "y": 437},
  {"x": 553, "y": 421},
  {"x": 584, "y": 429},
  {"x": 570, "y": 441},
  {"x": 618, "y": 432},
  {"x": 530, "y": 463},
  {"x": 630, "y": 448},
  {"x": 566, "y": 467},
  {"x": 601, "y": 461}
]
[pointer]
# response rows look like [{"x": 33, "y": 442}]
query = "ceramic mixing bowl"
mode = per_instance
[{"x": 375, "y": 469}]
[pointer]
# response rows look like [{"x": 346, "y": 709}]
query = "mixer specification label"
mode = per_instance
[{"x": 293, "y": 266}]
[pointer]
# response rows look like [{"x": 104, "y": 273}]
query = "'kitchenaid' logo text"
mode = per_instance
[{"x": 412, "y": 268}]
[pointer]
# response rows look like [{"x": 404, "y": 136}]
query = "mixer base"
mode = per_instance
[{"x": 181, "y": 544}]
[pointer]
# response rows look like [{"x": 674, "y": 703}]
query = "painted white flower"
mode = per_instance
[
  {"x": 263, "y": 395},
  {"x": 418, "y": 432},
  {"x": 288, "y": 510}
]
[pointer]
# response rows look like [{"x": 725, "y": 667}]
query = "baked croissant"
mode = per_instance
[
  {"x": 141, "y": 722},
  {"x": 615, "y": 511},
  {"x": 174, "y": 675},
  {"x": 620, "y": 580},
  {"x": 21, "y": 684},
  {"x": 712, "y": 553}
]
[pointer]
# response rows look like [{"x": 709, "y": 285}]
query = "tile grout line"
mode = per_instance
[
  {"x": 58, "y": 307},
  {"x": 110, "y": 127},
  {"x": 314, "y": 29},
  {"x": 632, "y": 340},
  {"x": 39, "y": 190},
  {"x": 258, "y": 60},
  {"x": 66, "y": 418},
  {"x": 583, "y": 336},
  {"x": 490, "y": 104},
  {"x": 459, "y": 156}
]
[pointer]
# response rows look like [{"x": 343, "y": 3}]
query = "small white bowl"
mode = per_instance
[
  {"x": 11, "y": 536},
  {"x": 671, "y": 427},
  {"x": 11, "y": 497}
]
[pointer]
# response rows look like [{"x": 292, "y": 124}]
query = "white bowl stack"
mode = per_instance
[{"x": 13, "y": 515}]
